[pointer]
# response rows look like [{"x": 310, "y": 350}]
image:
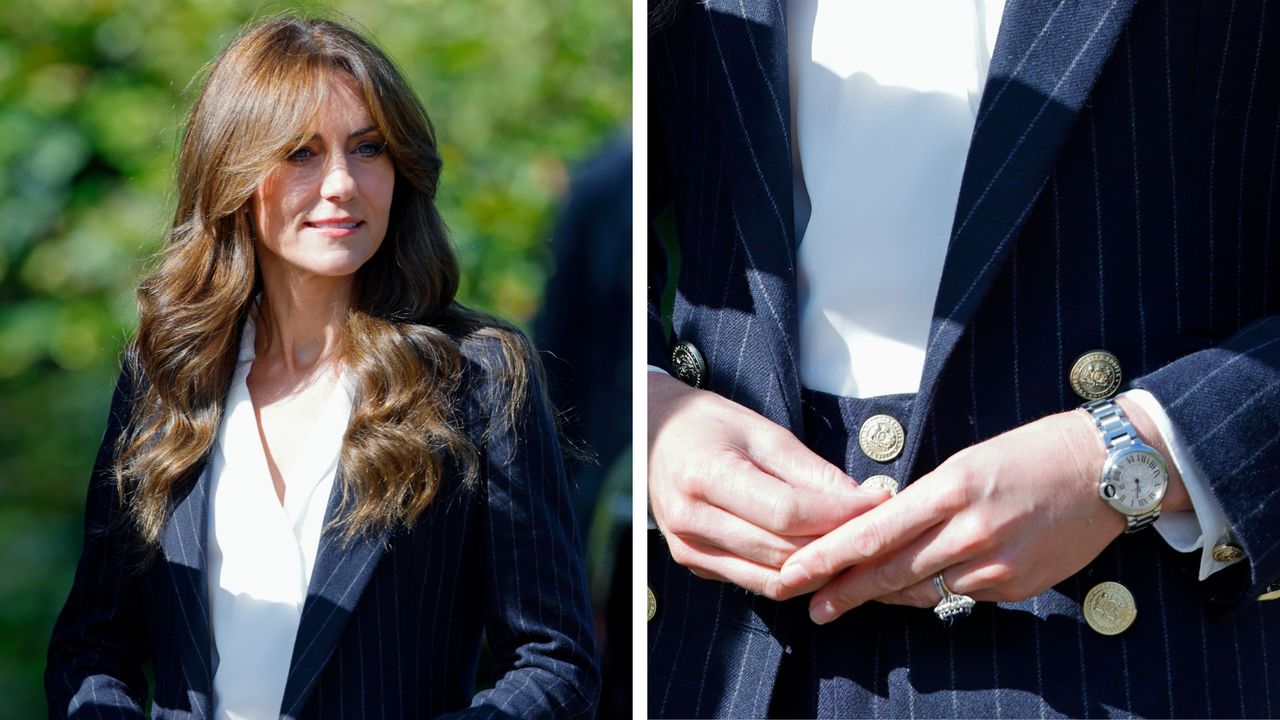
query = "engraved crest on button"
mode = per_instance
[
  {"x": 1227, "y": 553},
  {"x": 1109, "y": 608},
  {"x": 1095, "y": 375},
  {"x": 687, "y": 361},
  {"x": 881, "y": 438},
  {"x": 883, "y": 483},
  {"x": 653, "y": 604}
]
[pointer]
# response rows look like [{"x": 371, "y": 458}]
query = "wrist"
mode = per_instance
[{"x": 1175, "y": 498}]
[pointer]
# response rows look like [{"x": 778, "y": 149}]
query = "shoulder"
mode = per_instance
[{"x": 499, "y": 365}]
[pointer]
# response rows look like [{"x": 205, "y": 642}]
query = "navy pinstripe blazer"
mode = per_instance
[
  {"x": 391, "y": 626},
  {"x": 1120, "y": 193}
]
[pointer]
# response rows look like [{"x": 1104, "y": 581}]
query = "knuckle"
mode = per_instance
[
  {"x": 999, "y": 575},
  {"x": 696, "y": 475},
  {"x": 773, "y": 589},
  {"x": 830, "y": 476},
  {"x": 730, "y": 471},
  {"x": 775, "y": 552},
  {"x": 874, "y": 539},
  {"x": 889, "y": 576},
  {"x": 768, "y": 439},
  {"x": 819, "y": 562},
  {"x": 841, "y": 598},
  {"x": 957, "y": 490},
  {"x": 784, "y": 513},
  {"x": 975, "y": 537},
  {"x": 680, "y": 519},
  {"x": 681, "y": 554}
]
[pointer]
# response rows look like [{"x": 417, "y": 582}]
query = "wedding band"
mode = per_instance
[
  {"x": 953, "y": 605},
  {"x": 941, "y": 585}
]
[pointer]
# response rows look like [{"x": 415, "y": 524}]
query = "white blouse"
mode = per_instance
[
  {"x": 261, "y": 553},
  {"x": 884, "y": 97}
]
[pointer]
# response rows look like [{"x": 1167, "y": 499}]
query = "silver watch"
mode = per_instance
[{"x": 1134, "y": 476}]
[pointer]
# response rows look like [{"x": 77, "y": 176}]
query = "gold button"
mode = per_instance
[
  {"x": 1227, "y": 552},
  {"x": 1109, "y": 608},
  {"x": 883, "y": 483},
  {"x": 653, "y": 604},
  {"x": 1095, "y": 375},
  {"x": 1271, "y": 592},
  {"x": 689, "y": 365},
  {"x": 881, "y": 438}
]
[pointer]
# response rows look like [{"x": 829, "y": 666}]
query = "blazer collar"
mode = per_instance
[{"x": 1046, "y": 60}]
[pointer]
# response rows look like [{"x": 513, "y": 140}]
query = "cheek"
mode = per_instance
[
  {"x": 378, "y": 190},
  {"x": 384, "y": 185},
  {"x": 279, "y": 202}
]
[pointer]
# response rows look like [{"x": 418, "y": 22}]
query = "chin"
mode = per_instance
[
  {"x": 338, "y": 269},
  {"x": 338, "y": 263}
]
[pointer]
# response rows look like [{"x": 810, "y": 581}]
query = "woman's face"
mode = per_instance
[{"x": 324, "y": 210}]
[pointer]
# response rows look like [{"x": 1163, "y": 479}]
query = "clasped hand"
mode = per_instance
[{"x": 739, "y": 499}]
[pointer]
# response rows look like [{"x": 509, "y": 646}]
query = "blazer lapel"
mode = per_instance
[
  {"x": 183, "y": 545},
  {"x": 747, "y": 75},
  {"x": 1046, "y": 59},
  {"x": 341, "y": 572},
  {"x": 748, "y": 60}
]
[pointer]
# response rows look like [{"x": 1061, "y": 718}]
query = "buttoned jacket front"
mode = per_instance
[{"x": 1119, "y": 194}]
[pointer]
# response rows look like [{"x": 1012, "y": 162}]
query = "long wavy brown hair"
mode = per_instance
[{"x": 402, "y": 342}]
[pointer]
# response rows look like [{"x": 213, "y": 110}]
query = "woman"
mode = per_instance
[{"x": 322, "y": 478}]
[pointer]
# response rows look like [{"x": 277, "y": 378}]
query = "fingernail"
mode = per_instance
[
  {"x": 822, "y": 613},
  {"x": 794, "y": 574}
]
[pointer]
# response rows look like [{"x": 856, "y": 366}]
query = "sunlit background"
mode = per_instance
[{"x": 92, "y": 95}]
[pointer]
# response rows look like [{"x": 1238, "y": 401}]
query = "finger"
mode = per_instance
[
  {"x": 982, "y": 580},
  {"x": 782, "y": 455},
  {"x": 913, "y": 564},
  {"x": 711, "y": 526},
  {"x": 747, "y": 491},
  {"x": 711, "y": 563},
  {"x": 865, "y": 539}
]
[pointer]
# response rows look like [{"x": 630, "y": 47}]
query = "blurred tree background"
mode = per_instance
[{"x": 92, "y": 98}]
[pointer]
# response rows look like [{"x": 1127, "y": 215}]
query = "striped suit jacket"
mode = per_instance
[
  {"x": 392, "y": 623},
  {"x": 1119, "y": 193}
]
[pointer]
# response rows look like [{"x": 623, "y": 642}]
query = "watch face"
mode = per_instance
[{"x": 1134, "y": 481}]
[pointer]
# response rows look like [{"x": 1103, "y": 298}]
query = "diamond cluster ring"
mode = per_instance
[{"x": 952, "y": 606}]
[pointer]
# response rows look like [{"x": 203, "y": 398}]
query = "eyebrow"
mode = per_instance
[{"x": 354, "y": 133}]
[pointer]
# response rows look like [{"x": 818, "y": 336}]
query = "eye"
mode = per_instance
[
  {"x": 370, "y": 149},
  {"x": 301, "y": 155}
]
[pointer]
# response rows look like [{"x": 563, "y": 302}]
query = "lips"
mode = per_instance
[{"x": 335, "y": 228}]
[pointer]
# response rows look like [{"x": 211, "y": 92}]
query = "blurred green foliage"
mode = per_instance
[{"x": 92, "y": 97}]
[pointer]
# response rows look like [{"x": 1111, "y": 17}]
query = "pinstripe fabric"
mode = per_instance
[
  {"x": 1119, "y": 193},
  {"x": 391, "y": 626}
]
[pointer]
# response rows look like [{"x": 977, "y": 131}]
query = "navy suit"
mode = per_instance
[
  {"x": 391, "y": 626},
  {"x": 1119, "y": 193}
]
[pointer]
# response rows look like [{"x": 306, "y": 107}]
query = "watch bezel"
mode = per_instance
[{"x": 1112, "y": 467}]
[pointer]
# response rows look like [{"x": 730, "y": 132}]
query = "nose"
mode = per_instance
[{"x": 338, "y": 184}]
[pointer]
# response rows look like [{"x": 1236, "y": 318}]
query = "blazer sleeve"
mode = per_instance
[
  {"x": 537, "y": 614},
  {"x": 1225, "y": 403},
  {"x": 99, "y": 640}
]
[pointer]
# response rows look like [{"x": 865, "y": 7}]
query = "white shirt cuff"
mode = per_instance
[{"x": 1187, "y": 530}]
